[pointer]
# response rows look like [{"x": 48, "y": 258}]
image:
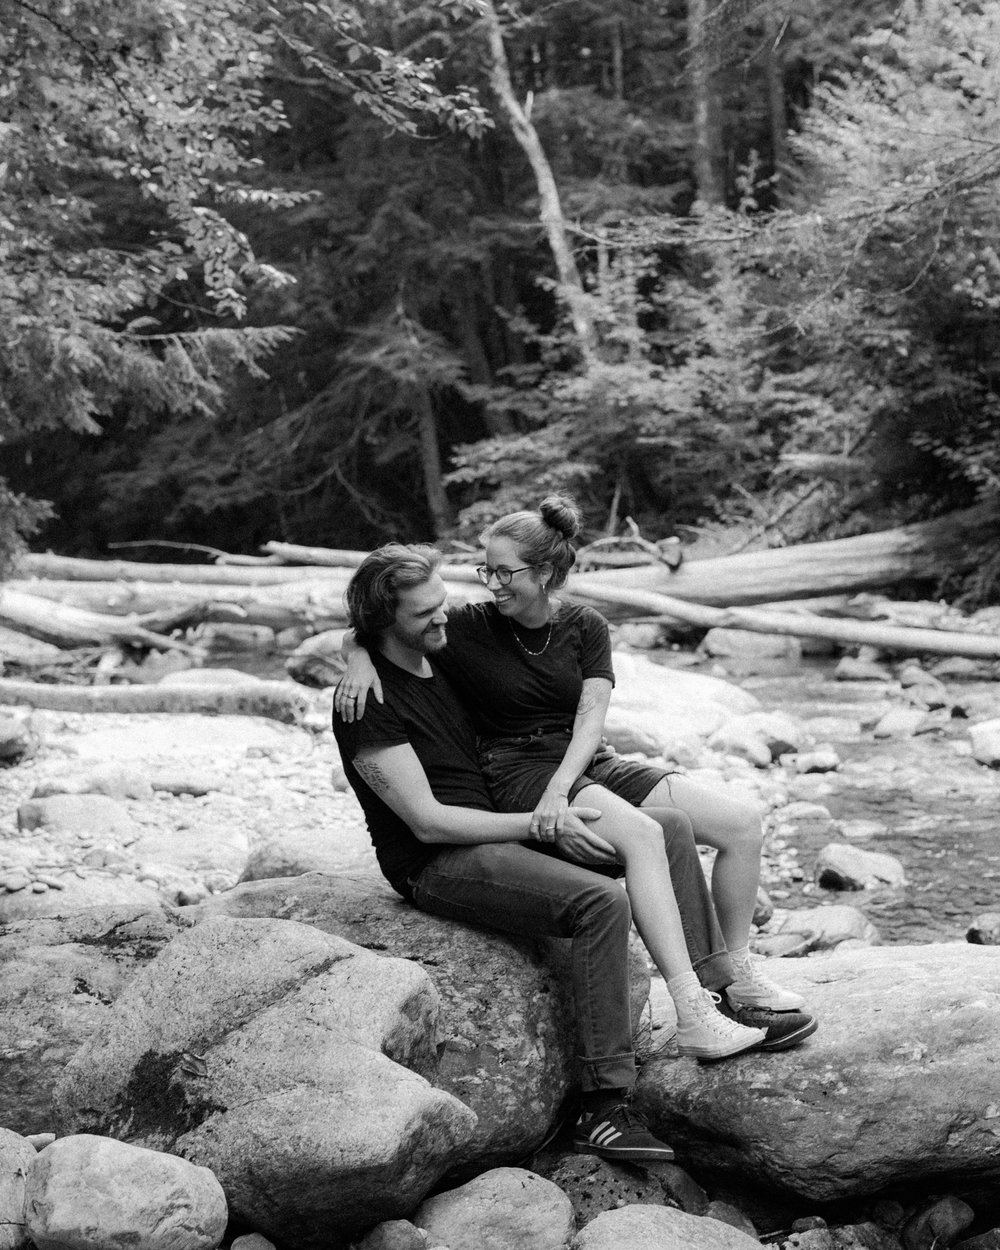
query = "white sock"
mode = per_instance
[
  {"x": 742, "y": 965},
  {"x": 684, "y": 989}
]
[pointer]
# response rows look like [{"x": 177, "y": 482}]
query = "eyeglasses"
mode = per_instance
[{"x": 503, "y": 576}]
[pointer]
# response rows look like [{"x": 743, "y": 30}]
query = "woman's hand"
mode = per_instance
[
  {"x": 352, "y": 691},
  {"x": 549, "y": 816}
]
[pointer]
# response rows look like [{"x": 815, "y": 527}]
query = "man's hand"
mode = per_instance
[{"x": 577, "y": 841}]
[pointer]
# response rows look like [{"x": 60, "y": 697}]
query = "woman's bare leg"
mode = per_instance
[
  {"x": 733, "y": 827},
  {"x": 638, "y": 840}
]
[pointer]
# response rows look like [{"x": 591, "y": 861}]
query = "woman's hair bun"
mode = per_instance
[{"x": 562, "y": 514}]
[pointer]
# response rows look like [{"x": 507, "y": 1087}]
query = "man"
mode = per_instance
[{"x": 413, "y": 763}]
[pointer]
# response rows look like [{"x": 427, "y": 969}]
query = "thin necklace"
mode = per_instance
[{"x": 528, "y": 650}]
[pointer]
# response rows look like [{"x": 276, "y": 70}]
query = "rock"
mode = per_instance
[
  {"x": 985, "y": 929},
  {"x": 852, "y": 668},
  {"x": 19, "y": 738},
  {"x": 391, "y": 1235},
  {"x": 667, "y": 704},
  {"x": 985, "y": 739},
  {"x": 900, "y": 722},
  {"x": 57, "y": 979},
  {"x": 803, "y": 812},
  {"x": 292, "y": 852},
  {"x": 840, "y": 867},
  {"x": 186, "y": 782},
  {"x": 93, "y": 1193},
  {"x": 822, "y": 760},
  {"x": 742, "y": 644},
  {"x": 16, "y": 1156},
  {"x": 985, "y": 1241},
  {"x": 280, "y": 1067},
  {"x": 780, "y": 945},
  {"x": 727, "y": 1214},
  {"x": 115, "y": 781},
  {"x": 208, "y": 677},
  {"x": 594, "y": 1185},
  {"x": 858, "y": 830},
  {"x": 507, "y": 1052},
  {"x": 500, "y": 1209},
  {"x": 743, "y": 741},
  {"x": 627, "y": 738},
  {"x": 76, "y": 814},
  {"x": 826, "y": 927},
  {"x": 317, "y": 661},
  {"x": 940, "y": 1224},
  {"x": 642, "y": 635},
  {"x": 642, "y": 1227},
  {"x": 79, "y": 893},
  {"x": 40, "y": 1140},
  {"x": 897, "y": 1086}
]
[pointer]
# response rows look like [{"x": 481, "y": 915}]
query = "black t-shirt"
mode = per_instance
[
  {"x": 508, "y": 690},
  {"x": 426, "y": 713}
]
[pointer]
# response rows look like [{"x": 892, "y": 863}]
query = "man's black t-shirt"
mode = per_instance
[{"x": 426, "y": 713}]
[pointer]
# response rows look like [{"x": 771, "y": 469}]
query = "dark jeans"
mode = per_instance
[{"x": 520, "y": 890}]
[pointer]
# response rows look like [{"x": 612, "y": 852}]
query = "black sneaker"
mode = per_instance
[
  {"x": 620, "y": 1135},
  {"x": 782, "y": 1029}
]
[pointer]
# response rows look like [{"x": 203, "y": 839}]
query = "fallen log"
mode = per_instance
[
  {"x": 911, "y": 553},
  {"x": 70, "y": 568},
  {"x": 74, "y": 627},
  {"x": 275, "y": 700},
  {"x": 907, "y": 639}
]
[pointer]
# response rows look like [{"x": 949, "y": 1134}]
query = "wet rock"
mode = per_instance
[
  {"x": 985, "y": 738},
  {"x": 900, "y": 722},
  {"x": 897, "y": 1086},
  {"x": 985, "y": 929},
  {"x": 650, "y": 1228},
  {"x": 508, "y": 1054},
  {"x": 280, "y": 1067},
  {"x": 501, "y": 1208},
  {"x": 840, "y": 867},
  {"x": 16, "y": 1156},
  {"x": 187, "y": 781},
  {"x": 941, "y": 1224},
  {"x": 822, "y": 760},
  {"x": 742, "y": 741},
  {"x": 859, "y": 830},
  {"x": 642, "y": 635},
  {"x": 92, "y": 1193},
  {"x": 827, "y": 927}
]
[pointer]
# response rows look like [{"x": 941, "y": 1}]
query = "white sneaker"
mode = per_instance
[
  {"x": 757, "y": 990},
  {"x": 708, "y": 1034}
]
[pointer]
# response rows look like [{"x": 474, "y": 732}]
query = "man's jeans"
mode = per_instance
[{"x": 519, "y": 890}]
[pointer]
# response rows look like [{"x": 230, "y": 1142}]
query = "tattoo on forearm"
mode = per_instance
[{"x": 372, "y": 775}]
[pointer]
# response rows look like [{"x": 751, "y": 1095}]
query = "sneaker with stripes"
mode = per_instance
[{"x": 619, "y": 1134}]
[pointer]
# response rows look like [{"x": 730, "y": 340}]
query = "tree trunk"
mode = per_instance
[
  {"x": 430, "y": 461},
  {"x": 277, "y": 700},
  {"x": 70, "y": 568},
  {"x": 73, "y": 627},
  {"x": 777, "y": 110},
  {"x": 570, "y": 284},
  {"x": 912, "y": 553},
  {"x": 799, "y": 625},
  {"x": 708, "y": 154}
]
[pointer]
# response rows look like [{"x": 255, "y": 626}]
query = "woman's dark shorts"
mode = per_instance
[{"x": 518, "y": 770}]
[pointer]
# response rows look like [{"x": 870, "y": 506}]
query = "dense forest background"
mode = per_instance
[{"x": 331, "y": 273}]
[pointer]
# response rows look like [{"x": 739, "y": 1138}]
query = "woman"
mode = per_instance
[{"x": 536, "y": 674}]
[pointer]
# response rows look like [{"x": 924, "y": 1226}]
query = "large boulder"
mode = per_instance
[
  {"x": 899, "y": 1086},
  {"x": 16, "y": 1156},
  {"x": 57, "y": 980},
  {"x": 667, "y": 706},
  {"x": 274, "y": 1054},
  {"x": 506, "y": 1036},
  {"x": 645, "y": 1227},
  {"x": 92, "y": 1193}
]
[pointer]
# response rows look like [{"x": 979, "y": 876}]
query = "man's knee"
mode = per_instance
[
  {"x": 676, "y": 825},
  {"x": 604, "y": 902}
]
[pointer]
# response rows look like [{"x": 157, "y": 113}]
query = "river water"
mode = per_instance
[{"x": 940, "y": 808}]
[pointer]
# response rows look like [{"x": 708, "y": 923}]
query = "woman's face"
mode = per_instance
[{"x": 523, "y": 598}]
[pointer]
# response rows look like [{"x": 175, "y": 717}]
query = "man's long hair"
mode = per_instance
[{"x": 372, "y": 594}]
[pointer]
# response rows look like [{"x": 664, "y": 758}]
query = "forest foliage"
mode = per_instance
[{"x": 288, "y": 270}]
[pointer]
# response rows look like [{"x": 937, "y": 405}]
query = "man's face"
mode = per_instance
[{"x": 421, "y": 617}]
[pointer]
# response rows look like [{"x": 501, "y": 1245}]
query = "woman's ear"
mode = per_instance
[{"x": 545, "y": 573}]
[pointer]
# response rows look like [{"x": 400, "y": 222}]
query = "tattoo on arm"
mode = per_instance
[
  {"x": 373, "y": 776},
  {"x": 587, "y": 704}
]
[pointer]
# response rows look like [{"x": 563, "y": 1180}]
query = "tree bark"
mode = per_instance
[
  {"x": 708, "y": 155},
  {"x": 430, "y": 461},
  {"x": 570, "y": 284},
  {"x": 75, "y": 627},
  {"x": 799, "y": 625},
  {"x": 276, "y": 700},
  {"x": 911, "y": 553},
  {"x": 70, "y": 568}
]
